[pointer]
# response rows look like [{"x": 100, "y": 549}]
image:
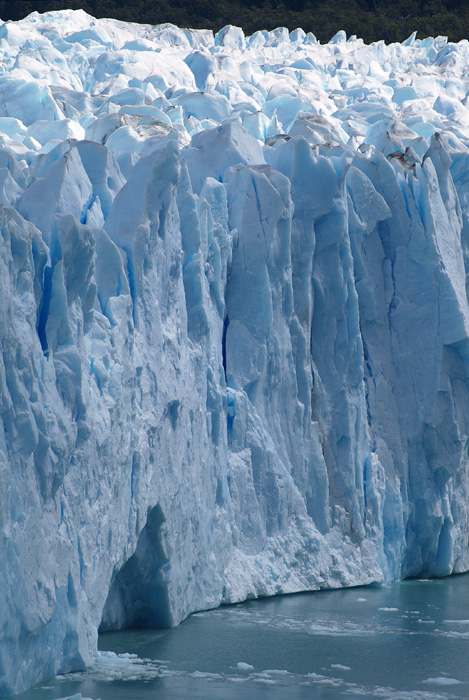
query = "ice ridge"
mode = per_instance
[{"x": 234, "y": 324}]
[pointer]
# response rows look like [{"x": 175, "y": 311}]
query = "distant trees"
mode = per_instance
[{"x": 392, "y": 20}]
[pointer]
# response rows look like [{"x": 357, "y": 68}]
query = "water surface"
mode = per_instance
[{"x": 408, "y": 641}]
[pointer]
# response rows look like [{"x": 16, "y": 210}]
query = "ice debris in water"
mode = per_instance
[
  {"x": 442, "y": 680},
  {"x": 109, "y": 666},
  {"x": 243, "y": 666},
  {"x": 233, "y": 323}
]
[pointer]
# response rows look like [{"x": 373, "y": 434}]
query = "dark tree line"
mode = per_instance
[{"x": 392, "y": 20}]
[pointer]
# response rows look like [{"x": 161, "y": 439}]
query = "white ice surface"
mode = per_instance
[{"x": 233, "y": 323}]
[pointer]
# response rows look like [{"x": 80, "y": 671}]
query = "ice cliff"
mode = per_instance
[{"x": 234, "y": 326}]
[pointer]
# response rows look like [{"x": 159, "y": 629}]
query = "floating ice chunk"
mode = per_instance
[
  {"x": 442, "y": 680},
  {"x": 244, "y": 666},
  {"x": 109, "y": 667},
  {"x": 456, "y": 622}
]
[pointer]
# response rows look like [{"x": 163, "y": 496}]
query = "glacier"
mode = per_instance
[{"x": 234, "y": 323}]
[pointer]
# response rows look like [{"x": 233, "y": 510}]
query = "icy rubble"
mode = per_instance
[{"x": 233, "y": 323}]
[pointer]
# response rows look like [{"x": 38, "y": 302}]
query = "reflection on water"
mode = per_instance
[{"x": 408, "y": 641}]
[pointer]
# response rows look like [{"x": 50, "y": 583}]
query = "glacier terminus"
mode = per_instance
[{"x": 234, "y": 323}]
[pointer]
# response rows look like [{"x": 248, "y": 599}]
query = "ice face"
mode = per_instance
[{"x": 233, "y": 323}]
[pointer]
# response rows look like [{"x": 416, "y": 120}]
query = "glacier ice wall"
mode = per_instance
[{"x": 234, "y": 324}]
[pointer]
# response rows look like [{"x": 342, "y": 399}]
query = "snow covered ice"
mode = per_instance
[{"x": 234, "y": 326}]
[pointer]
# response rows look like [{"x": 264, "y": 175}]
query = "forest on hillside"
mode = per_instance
[{"x": 391, "y": 20}]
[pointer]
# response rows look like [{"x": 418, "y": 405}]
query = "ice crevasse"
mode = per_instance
[{"x": 233, "y": 323}]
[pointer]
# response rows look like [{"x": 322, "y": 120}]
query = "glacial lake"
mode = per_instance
[{"x": 407, "y": 641}]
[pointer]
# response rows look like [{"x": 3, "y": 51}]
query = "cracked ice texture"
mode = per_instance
[{"x": 233, "y": 323}]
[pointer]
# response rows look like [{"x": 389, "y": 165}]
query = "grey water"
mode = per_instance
[{"x": 407, "y": 641}]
